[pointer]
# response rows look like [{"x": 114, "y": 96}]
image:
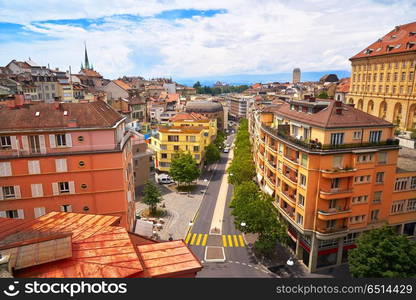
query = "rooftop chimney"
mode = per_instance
[
  {"x": 338, "y": 104},
  {"x": 312, "y": 99},
  {"x": 338, "y": 110}
]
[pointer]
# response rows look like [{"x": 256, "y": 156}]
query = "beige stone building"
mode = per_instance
[{"x": 383, "y": 77}]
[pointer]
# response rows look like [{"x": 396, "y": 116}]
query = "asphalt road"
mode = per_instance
[{"x": 239, "y": 262}]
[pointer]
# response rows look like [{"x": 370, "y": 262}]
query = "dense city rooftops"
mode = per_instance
[
  {"x": 401, "y": 39},
  {"x": 343, "y": 86},
  {"x": 43, "y": 116},
  {"x": 406, "y": 160}
]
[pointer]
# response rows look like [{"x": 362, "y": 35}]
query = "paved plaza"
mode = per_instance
[{"x": 181, "y": 208}]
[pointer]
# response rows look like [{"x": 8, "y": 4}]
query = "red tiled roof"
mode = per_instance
[
  {"x": 173, "y": 97},
  {"x": 122, "y": 84},
  {"x": 185, "y": 116},
  {"x": 399, "y": 40},
  {"x": 90, "y": 73},
  {"x": 100, "y": 249},
  {"x": 87, "y": 115},
  {"x": 167, "y": 259},
  {"x": 328, "y": 118},
  {"x": 343, "y": 86}
]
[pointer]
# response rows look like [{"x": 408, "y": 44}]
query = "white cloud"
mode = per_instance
[{"x": 253, "y": 37}]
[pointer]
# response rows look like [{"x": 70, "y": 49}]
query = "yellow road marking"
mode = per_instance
[
  {"x": 199, "y": 239},
  {"x": 204, "y": 241},
  {"x": 193, "y": 239},
  {"x": 188, "y": 236},
  {"x": 235, "y": 240},
  {"x": 230, "y": 241},
  {"x": 224, "y": 240},
  {"x": 240, "y": 237}
]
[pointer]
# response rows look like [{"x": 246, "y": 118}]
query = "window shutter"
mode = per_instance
[
  {"x": 15, "y": 145},
  {"x": 34, "y": 166},
  {"x": 52, "y": 141},
  {"x": 25, "y": 143},
  {"x": 20, "y": 214},
  {"x": 69, "y": 209},
  {"x": 42, "y": 144},
  {"x": 40, "y": 190},
  {"x": 71, "y": 187},
  {"x": 1, "y": 193},
  {"x": 39, "y": 212},
  {"x": 60, "y": 165},
  {"x": 17, "y": 192},
  {"x": 5, "y": 169},
  {"x": 55, "y": 188},
  {"x": 68, "y": 139},
  {"x": 33, "y": 188},
  {"x": 2, "y": 214}
]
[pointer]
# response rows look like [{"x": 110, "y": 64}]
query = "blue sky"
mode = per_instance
[{"x": 190, "y": 39}]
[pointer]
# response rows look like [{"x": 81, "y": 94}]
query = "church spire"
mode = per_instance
[{"x": 86, "y": 63}]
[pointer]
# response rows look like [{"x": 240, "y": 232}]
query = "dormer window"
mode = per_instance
[
  {"x": 389, "y": 47},
  {"x": 410, "y": 45},
  {"x": 368, "y": 51}
]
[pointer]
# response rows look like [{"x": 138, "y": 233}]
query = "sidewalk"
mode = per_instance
[{"x": 181, "y": 208}]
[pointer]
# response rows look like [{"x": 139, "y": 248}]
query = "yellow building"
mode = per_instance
[
  {"x": 334, "y": 172},
  {"x": 383, "y": 77},
  {"x": 187, "y": 132}
]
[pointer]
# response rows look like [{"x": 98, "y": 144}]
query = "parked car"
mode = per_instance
[
  {"x": 164, "y": 179},
  {"x": 226, "y": 150}
]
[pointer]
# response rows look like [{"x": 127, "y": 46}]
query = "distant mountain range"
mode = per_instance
[{"x": 249, "y": 79}]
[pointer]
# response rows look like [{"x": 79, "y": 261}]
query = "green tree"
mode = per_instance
[
  {"x": 197, "y": 85},
  {"x": 383, "y": 253},
  {"x": 242, "y": 166},
  {"x": 256, "y": 210},
  {"x": 219, "y": 140},
  {"x": 323, "y": 95},
  {"x": 212, "y": 154},
  {"x": 184, "y": 168},
  {"x": 152, "y": 196}
]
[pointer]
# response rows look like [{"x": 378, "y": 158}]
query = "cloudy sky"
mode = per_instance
[{"x": 188, "y": 38}]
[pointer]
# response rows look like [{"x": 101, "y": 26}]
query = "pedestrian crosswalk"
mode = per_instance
[{"x": 228, "y": 240}]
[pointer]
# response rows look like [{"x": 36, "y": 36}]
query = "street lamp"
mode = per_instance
[{"x": 290, "y": 262}]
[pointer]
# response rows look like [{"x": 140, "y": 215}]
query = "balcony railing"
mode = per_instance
[
  {"x": 332, "y": 229},
  {"x": 292, "y": 178},
  {"x": 317, "y": 146},
  {"x": 290, "y": 197}
]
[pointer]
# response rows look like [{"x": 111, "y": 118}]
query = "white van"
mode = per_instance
[{"x": 164, "y": 179}]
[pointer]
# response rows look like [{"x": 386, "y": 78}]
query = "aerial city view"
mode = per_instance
[{"x": 211, "y": 139}]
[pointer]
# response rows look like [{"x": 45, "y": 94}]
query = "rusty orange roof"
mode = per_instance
[
  {"x": 122, "y": 84},
  {"x": 97, "y": 248},
  {"x": 90, "y": 73},
  {"x": 170, "y": 258},
  {"x": 401, "y": 39},
  {"x": 181, "y": 129},
  {"x": 343, "y": 86},
  {"x": 186, "y": 116}
]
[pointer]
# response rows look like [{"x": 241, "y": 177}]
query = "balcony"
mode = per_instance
[
  {"x": 335, "y": 194},
  {"x": 289, "y": 196},
  {"x": 319, "y": 147},
  {"x": 332, "y": 230},
  {"x": 338, "y": 173},
  {"x": 290, "y": 211},
  {"x": 272, "y": 148},
  {"x": 271, "y": 164},
  {"x": 333, "y": 213},
  {"x": 271, "y": 181}
]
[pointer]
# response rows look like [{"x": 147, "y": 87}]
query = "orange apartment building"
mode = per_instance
[
  {"x": 335, "y": 172},
  {"x": 69, "y": 157}
]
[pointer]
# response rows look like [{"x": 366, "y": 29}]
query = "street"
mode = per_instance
[{"x": 238, "y": 260}]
